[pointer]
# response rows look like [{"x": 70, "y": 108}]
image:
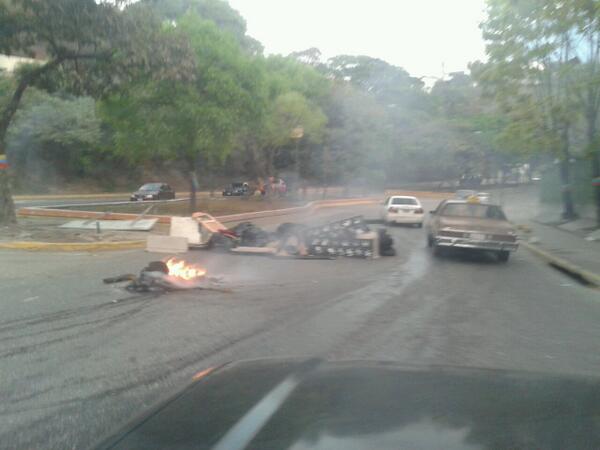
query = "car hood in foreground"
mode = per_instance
[{"x": 285, "y": 405}]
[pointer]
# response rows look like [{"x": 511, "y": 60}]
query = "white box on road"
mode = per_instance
[
  {"x": 186, "y": 227},
  {"x": 166, "y": 244}
]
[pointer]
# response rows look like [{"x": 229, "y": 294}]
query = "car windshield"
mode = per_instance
[
  {"x": 404, "y": 201},
  {"x": 473, "y": 210},
  {"x": 151, "y": 187},
  {"x": 421, "y": 186}
]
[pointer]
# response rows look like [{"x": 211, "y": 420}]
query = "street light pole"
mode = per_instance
[{"x": 296, "y": 134}]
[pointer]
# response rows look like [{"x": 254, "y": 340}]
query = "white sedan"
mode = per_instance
[{"x": 403, "y": 209}]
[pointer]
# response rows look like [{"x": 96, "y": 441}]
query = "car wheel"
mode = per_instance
[
  {"x": 437, "y": 250},
  {"x": 429, "y": 241},
  {"x": 503, "y": 256}
]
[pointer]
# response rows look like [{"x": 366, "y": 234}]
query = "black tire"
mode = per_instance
[
  {"x": 503, "y": 256},
  {"x": 437, "y": 251}
]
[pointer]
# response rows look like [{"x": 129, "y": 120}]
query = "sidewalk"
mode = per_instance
[{"x": 568, "y": 246}]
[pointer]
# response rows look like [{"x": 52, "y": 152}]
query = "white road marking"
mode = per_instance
[{"x": 30, "y": 299}]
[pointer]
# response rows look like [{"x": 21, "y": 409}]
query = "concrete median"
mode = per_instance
[{"x": 100, "y": 246}]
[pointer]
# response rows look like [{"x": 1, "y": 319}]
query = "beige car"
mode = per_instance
[{"x": 471, "y": 224}]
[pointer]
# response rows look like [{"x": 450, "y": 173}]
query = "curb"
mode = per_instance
[
  {"x": 591, "y": 278},
  {"x": 72, "y": 246}
]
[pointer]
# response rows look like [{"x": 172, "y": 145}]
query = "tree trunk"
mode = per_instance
[
  {"x": 595, "y": 154},
  {"x": 596, "y": 181},
  {"x": 567, "y": 195},
  {"x": 565, "y": 177},
  {"x": 193, "y": 190},
  {"x": 7, "y": 206},
  {"x": 211, "y": 181}
]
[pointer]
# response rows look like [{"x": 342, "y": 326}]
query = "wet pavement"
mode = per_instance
[{"x": 78, "y": 358}]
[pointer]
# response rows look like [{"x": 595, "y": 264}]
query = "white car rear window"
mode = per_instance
[{"x": 404, "y": 201}]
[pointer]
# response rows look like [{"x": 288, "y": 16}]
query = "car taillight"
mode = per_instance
[
  {"x": 419, "y": 211},
  {"x": 392, "y": 209}
]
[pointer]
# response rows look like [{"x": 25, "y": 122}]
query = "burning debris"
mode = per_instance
[{"x": 169, "y": 275}]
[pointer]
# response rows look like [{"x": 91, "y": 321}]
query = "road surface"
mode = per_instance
[{"x": 78, "y": 358}]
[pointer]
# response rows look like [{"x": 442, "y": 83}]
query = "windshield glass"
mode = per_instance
[
  {"x": 404, "y": 201},
  {"x": 473, "y": 210},
  {"x": 383, "y": 145},
  {"x": 150, "y": 187}
]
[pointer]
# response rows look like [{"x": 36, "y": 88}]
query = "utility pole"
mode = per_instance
[{"x": 297, "y": 134}]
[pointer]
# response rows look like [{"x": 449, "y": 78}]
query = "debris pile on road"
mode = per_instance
[
  {"x": 169, "y": 275},
  {"x": 350, "y": 237},
  {"x": 386, "y": 243}
]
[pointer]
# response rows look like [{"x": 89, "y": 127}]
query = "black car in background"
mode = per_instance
[
  {"x": 153, "y": 191},
  {"x": 236, "y": 190}
]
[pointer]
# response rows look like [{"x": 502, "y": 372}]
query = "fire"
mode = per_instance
[{"x": 179, "y": 268}]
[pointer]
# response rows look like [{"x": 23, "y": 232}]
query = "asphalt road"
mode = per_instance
[{"x": 79, "y": 358}]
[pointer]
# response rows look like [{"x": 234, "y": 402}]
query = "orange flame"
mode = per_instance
[{"x": 179, "y": 268}]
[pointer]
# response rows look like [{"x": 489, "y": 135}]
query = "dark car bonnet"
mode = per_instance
[{"x": 371, "y": 406}]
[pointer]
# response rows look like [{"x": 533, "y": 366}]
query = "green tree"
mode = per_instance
[
  {"x": 531, "y": 46},
  {"x": 56, "y": 136},
  {"x": 292, "y": 111},
  {"x": 84, "y": 46},
  {"x": 220, "y": 12},
  {"x": 197, "y": 121},
  {"x": 294, "y": 97},
  {"x": 389, "y": 84},
  {"x": 587, "y": 80}
]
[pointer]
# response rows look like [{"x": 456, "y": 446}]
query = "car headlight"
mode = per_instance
[{"x": 149, "y": 196}]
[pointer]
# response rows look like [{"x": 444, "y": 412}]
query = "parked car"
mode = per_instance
[
  {"x": 403, "y": 209},
  {"x": 153, "y": 191},
  {"x": 236, "y": 190},
  {"x": 471, "y": 224}
]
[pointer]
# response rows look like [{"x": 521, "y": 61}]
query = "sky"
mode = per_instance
[{"x": 425, "y": 37}]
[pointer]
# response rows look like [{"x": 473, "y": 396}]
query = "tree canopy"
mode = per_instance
[{"x": 180, "y": 83}]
